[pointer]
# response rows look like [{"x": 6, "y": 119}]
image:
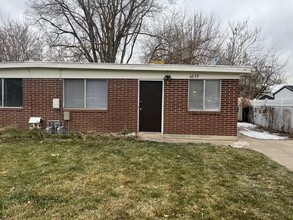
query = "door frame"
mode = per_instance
[{"x": 138, "y": 101}]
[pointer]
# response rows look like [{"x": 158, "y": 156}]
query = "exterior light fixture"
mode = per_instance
[{"x": 167, "y": 78}]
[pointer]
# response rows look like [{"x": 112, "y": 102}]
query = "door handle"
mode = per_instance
[{"x": 140, "y": 109}]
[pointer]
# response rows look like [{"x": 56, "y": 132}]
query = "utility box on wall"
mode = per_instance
[
  {"x": 56, "y": 103},
  {"x": 35, "y": 122},
  {"x": 66, "y": 116}
]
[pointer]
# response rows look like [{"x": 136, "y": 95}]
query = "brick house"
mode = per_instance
[{"x": 168, "y": 99}]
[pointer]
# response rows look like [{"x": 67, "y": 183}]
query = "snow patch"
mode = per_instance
[
  {"x": 245, "y": 125},
  {"x": 254, "y": 131},
  {"x": 275, "y": 88},
  {"x": 240, "y": 144},
  {"x": 261, "y": 135}
]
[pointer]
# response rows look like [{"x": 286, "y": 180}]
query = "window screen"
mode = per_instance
[
  {"x": 90, "y": 93},
  {"x": 96, "y": 94},
  {"x": 11, "y": 92},
  {"x": 212, "y": 94},
  {"x": 204, "y": 95},
  {"x": 74, "y": 93},
  {"x": 196, "y": 94},
  {"x": 1, "y": 102}
]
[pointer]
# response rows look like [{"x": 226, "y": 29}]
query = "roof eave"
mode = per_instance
[{"x": 128, "y": 67}]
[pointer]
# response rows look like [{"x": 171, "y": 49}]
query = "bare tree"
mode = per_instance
[
  {"x": 241, "y": 43},
  {"x": 198, "y": 40},
  {"x": 99, "y": 30},
  {"x": 182, "y": 40},
  {"x": 267, "y": 71},
  {"x": 243, "y": 48},
  {"x": 18, "y": 42}
]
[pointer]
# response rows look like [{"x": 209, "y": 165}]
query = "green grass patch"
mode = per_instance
[{"x": 99, "y": 177}]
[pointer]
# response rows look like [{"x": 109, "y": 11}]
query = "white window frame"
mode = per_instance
[
  {"x": 85, "y": 98},
  {"x": 204, "y": 91},
  {"x": 3, "y": 96},
  {"x": 2, "y": 93}
]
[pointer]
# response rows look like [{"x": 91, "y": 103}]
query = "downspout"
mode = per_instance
[
  {"x": 61, "y": 87},
  {"x": 61, "y": 92},
  {"x": 31, "y": 96}
]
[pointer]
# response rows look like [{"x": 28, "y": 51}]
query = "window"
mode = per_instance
[
  {"x": 10, "y": 92},
  {"x": 204, "y": 95},
  {"x": 85, "y": 93}
]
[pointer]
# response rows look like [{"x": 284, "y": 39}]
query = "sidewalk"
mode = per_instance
[
  {"x": 276, "y": 146},
  {"x": 280, "y": 151}
]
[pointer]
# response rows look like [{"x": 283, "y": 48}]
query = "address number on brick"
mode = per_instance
[{"x": 194, "y": 76}]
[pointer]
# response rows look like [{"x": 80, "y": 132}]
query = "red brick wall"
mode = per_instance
[
  {"x": 121, "y": 113},
  {"x": 178, "y": 120},
  {"x": 38, "y": 96},
  {"x": 122, "y": 109}
]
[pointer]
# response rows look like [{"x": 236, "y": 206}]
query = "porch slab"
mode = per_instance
[{"x": 176, "y": 138}]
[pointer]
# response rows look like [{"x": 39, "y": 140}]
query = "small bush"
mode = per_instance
[{"x": 14, "y": 134}]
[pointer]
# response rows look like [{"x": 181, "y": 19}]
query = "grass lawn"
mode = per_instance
[{"x": 96, "y": 177}]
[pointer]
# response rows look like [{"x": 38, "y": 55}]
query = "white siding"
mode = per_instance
[{"x": 284, "y": 94}]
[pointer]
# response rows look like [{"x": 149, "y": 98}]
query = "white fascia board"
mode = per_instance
[
  {"x": 102, "y": 74},
  {"x": 131, "y": 71}
]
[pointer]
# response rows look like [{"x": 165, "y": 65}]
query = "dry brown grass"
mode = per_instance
[{"x": 118, "y": 178}]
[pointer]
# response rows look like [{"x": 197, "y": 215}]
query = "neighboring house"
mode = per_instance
[
  {"x": 168, "y": 99},
  {"x": 286, "y": 92},
  {"x": 266, "y": 96}
]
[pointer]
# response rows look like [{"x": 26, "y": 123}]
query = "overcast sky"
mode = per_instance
[{"x": 274, "y": 17}]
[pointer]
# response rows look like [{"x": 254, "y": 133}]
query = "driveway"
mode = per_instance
[{"x": 280, "y": 151}]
